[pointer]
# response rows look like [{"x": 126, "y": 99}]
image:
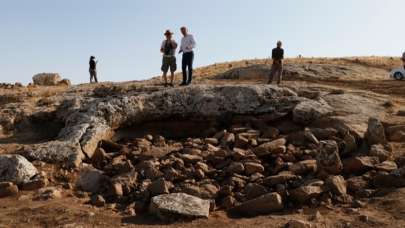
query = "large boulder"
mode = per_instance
[
  {"x": 46, "y": 79},
  {"x": 179, "y": 205},
  {"x": 15, "y": 168}
]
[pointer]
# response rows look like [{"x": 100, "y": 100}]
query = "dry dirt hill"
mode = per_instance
[{"x": 326, "y": 149}]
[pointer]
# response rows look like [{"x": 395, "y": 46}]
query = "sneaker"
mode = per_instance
[
  {"x": 171, "y": 85},
  {"x": 183, "y": 84}
]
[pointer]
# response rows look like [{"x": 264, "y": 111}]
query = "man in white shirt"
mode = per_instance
[
  {"x": 168, "y": 49},
  {"x": 186, "y": 47}
]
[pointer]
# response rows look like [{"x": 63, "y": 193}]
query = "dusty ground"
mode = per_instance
[{"x": 388, "y": 210}]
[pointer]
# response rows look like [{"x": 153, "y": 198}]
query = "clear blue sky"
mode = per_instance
[{"x": 60, "y": 35}]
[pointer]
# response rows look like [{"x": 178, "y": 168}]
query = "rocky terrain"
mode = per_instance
[{"x": 326, "y": 149}]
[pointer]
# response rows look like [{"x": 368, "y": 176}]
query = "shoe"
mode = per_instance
[
  {"x": 165, "y": 84},
  {"x": 171, "y": 85},
  {"x": 188, "y": 83},
  {"x": 183, "y": 84}
]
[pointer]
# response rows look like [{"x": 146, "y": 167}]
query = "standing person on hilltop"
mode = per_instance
[
  {"x": 168, "y": 48},
  {"x": 186, "y": 47},
  {"x": 403, "y": 59},
  {"x": 93, "y": 69},
  {"x": 277, "y": 68}
]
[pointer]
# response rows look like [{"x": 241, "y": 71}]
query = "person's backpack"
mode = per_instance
[{"x": 168, "y": 48}]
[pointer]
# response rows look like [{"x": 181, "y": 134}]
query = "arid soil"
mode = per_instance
[{"x": 28, "y": 117}]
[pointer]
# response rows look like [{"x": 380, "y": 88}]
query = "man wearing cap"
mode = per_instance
[
  {"x": 92, "y": 69},
  {"x": 277, "y": 68},
  {"x": 186, "y": 47},
  {"x": 168, "y": 49}
]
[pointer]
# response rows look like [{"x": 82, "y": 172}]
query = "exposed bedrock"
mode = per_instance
[{"x": 85, "y": 126}]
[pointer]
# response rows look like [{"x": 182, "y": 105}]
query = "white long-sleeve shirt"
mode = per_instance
[{"x": 187, "y": 43}]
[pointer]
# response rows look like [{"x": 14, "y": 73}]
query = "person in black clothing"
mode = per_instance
[
  {"x": 277, "y": 68},
  {"x": 92, "y": 69}
]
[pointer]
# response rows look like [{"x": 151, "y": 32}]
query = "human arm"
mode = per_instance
[{"x": 192, "y": 43}]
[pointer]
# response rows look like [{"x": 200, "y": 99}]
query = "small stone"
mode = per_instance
[
  {"x": 298, "y": 224},
  {"x": 358, "y": 165},
  {"x": 241, "y": 142},
  {"x": 228, "y": 202},
  {"x": 236, "y": 167},
  {"x": 317, "y": 217},
  {"x": 358, "y": 204},
  {"x": 380, "y": 152},
  {"x": 49, "y": 193},
  {"x": 8, "y": 189},
  {"x": 97, "y": 200},
  {"x": 252, "y": 167},
  {"x": 375, "y": 132},
  {"x": 254, "y": 190},
  {"x": 212, "y": 141},
  {"x": 276, "y": 147},
  {"x": 159, "y": 187},
  {"x": 328, "y": 158},
  {"x": 264, "y": 204},
  {"x": 387, "y": 166},
  {"x": 188, "y": 158},
  {"x": 304, "y": 167},
  {"x": 149, "y": 138},
  {"x": 364, "y": 218},
  {"x": 337, "y": 184},
  {"x": 280, "y": 179},
  {"x": 304, "y": 193}
]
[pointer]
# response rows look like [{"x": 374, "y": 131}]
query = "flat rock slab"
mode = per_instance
[{"x": 179, "y": 204}]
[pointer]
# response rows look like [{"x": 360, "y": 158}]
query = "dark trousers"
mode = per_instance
[
  {"x": 187, "y": 67},
  {"x": 276, "y": 71},
  {"x": 93, "y": 74}
]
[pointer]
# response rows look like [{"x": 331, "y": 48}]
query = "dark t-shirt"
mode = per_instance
[
  {"x": 92, "y": 64},
  {"x": 277, "y": 54}
]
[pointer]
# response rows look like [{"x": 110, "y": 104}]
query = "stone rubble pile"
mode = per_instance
[{"x": 248, "y": 169}]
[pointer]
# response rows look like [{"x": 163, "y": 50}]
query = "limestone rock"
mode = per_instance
[
  {"x": 16, "y": 169},
  {"x": 46, "y": 79},
  {"x": 179, "y": 204},
  {"x": 310, "y": 110}
]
